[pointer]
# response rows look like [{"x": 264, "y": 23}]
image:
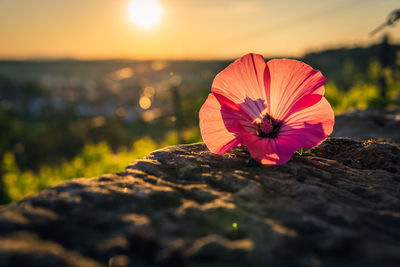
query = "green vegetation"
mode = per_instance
[
  {"x": 365, "y": 92},
  {"x": 360, "y": 96},
  {"x": 93, "y": 160}
]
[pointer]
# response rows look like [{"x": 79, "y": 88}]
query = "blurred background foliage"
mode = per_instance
[{"x": 63, "y": 119}]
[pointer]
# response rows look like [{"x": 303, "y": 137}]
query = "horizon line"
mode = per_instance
[{"x": 128, "y": 58}]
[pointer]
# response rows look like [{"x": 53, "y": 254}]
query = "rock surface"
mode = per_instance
[
  {"x": 369, "y": 123},
  {"x": 335, "y": 205}
]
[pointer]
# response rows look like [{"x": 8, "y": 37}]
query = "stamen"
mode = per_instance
[{"x": 268, "y": 128}]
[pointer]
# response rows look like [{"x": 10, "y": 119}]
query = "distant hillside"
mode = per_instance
[{"x": 342, "y": 66}]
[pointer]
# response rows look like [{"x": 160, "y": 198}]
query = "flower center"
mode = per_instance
[{"x": 268, "y": 127}]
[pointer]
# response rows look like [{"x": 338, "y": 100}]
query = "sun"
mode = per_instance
[{"x": 145, "y": 13}]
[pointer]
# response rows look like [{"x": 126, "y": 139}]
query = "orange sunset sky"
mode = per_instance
[{"x": 187, "y": 29}]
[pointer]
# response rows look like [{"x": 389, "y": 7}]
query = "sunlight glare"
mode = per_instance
[{"x": 145, "y": 13}]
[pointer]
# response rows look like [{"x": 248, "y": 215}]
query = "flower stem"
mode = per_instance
[{"x": 300, "y": 151}]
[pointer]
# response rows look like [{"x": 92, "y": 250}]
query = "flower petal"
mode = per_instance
[
  {"x": 291, "y": 81},
  {"x": 219, "y": 133},
  {"x": 247, "y": 90},
  {"x": 307, "y": 127},
  {"x": 243, "y": 82},
  {"x": 265, "y": 150}
]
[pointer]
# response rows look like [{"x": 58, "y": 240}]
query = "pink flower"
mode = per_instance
[{"x": 274, "y": 108}]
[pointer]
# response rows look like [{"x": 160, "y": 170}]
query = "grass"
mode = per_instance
[{"x": 93, "y": 160}]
